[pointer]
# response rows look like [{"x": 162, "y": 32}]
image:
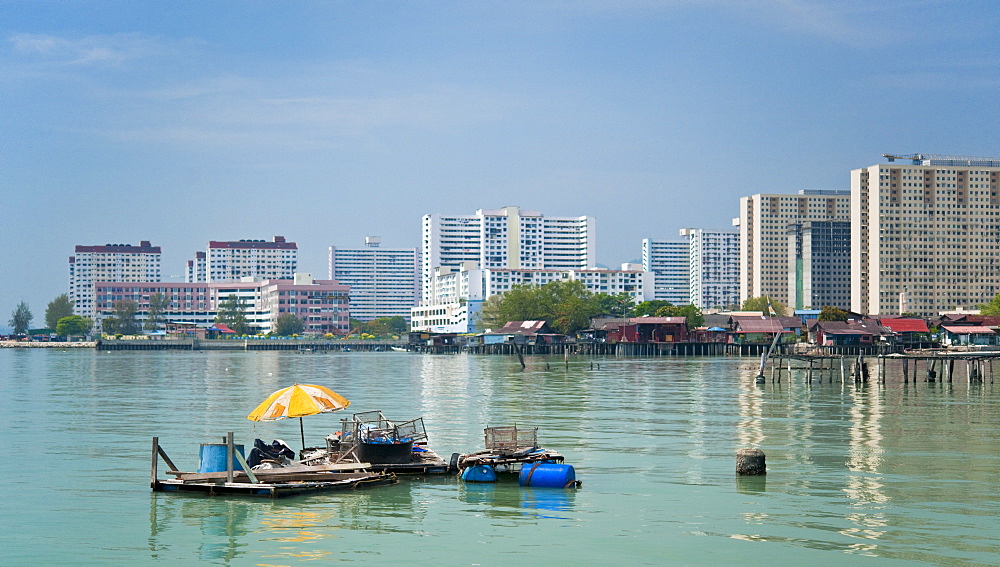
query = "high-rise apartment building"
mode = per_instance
[
  {"x": 227, "y": 261},
  {"x": 764, "y": 221},
  {"x": 925, "y": 235},
  {"x": 819, "y": 264},
  {"x": 196, "y": 269},
  {"x": 384, "y": 282},
  {"x": 508, "y": 238},
  {"x": 110, "y": 262},
  {"x": 670, "y": 263},
  {"x": 714, "y": 260}
]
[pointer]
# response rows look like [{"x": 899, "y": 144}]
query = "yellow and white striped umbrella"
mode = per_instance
[{"x": 298, "y": 401}]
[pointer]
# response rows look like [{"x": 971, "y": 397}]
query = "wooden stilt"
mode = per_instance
[{"x": 906, "y": 371}]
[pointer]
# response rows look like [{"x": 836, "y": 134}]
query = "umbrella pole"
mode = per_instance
[{"x": 302, "y": 432}]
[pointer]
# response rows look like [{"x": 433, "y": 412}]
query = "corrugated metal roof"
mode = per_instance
[
  {"x": 905, "y": 325},
  {"x": 967, "y": 330}
]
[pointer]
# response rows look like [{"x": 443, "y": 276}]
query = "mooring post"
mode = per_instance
[
  {"x": 906, "y": 371},
  {"x": 152, "y": 473},
  {"x": 750, "y": 462},
  {"x": 951, "y": 370},
  {"x": 229, "y": 457},
  {"x": 843, "y": 378}
]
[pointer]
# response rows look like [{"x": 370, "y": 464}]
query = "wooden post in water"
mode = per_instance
[
  {"x": 152, "y": 473},
  {"x": 750, "y": 462},
  {"x": 906, "y": 370},
  {"x": 229, "y": 457},
  {"x": 951, "y": 370},
  {"x": 842, "y": 377}
]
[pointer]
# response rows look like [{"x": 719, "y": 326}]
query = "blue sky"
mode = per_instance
[{"x": 184, "y": 122}]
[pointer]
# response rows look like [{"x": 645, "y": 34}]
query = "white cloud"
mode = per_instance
[{"x": 86, "y": 50}]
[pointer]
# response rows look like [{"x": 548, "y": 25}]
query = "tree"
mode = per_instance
[
  {"x": 20, "y": 318},
  {"x": 232, "y": 313},
  {"x": 830, "y": 313},
  {"x": 58, "y": 308},
  {"x": 691, "y": 314},
  {"x": 158, "y": 304},
  {"x": 565, "y": 305},
  {"x": 619, "y": 304},
  {"x": 288, "y": 324},
  {"x": 649, "y": 308},
  {"x": 992, "y": 308},
  {"x": 122, "y": 320},
  {"x": 761, "y": 304},
  {"x": 384, "y": 326},
  {"x": 73, "y": 325}
]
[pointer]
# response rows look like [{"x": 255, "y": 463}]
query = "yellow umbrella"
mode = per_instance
[{"x": 298, "y": 401}]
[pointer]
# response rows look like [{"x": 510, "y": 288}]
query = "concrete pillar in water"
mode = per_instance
[{"x": 750, "y": 462}]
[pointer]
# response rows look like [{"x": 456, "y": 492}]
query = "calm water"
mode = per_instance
[{"x": 907, "y": 473}]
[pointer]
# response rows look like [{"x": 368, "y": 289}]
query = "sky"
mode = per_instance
[{"x": 188, "y": 121}]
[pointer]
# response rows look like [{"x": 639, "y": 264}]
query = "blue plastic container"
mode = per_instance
[
  {"x": 479, "y": 473},
  {"x": 547, "y": 475},
  {"x": 212, "y": 458}
]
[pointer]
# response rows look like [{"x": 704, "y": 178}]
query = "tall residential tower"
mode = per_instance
[
  {"x": 925, "y": 234},
  {"x": 109, "y": 263},
  {"x": 508, "y": 238},
  {"x": 384, "y": 282}
]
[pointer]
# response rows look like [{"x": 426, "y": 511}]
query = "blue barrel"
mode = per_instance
[
  {"x": 479, "y": 473},
  {"x": 547, "y": 475},
  {"x": 212, "y": 458}
]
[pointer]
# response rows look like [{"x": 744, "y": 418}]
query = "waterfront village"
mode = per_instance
[{"x": 902, "y": 260}]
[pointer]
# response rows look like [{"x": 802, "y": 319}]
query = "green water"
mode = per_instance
[{"x": 901, "y": 472}]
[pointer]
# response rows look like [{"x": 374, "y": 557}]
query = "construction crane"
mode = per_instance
[{"x": 918, "y": 159}]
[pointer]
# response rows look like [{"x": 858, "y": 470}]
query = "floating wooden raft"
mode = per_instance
[{"x": 273, "y": 483}]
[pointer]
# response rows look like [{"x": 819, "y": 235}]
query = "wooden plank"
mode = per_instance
[
  {"x": 246, "y": 467},
  {"x": 265, "y": 473},
  {"x": 163, "y": 454}
]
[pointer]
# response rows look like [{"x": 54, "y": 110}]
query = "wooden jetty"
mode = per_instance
[
  {"x": 938, "y": 365},
  {"x": 269, "y": 483}
]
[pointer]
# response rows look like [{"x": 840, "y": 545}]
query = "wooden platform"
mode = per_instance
[
  {"x": 421, "y": 462},
  {"x": 509, "y": 461},
  {"x": 268, "y": 483}
]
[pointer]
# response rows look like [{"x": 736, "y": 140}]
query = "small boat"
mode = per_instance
[
  {"x": 385, "y": 445},
  {"x": 398, "y": 349}
]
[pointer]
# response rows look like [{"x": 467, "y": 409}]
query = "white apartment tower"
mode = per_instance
[
  {"x": 509, "y": 238},
  {"x": 383, "y": 281},
  {"x": 670, "y": 262},
  {"x": 926, "y": 234},
  {"x": 764, "y": 221},
  {"x": 109, "y": 263},
  {"x": 714, "y": 259},
  {"x": 228, "y": 261}
]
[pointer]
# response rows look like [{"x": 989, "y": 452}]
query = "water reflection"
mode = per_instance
[
  {"x": 222, "y": 525},
  {"x": 509, "y": 500}
]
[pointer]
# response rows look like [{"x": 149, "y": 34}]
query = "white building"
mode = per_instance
[
  {"x": 714, "y": 267},
  {"x": 507, "y": 238},
  {"x": 925, "y": 235},
  {"x": 457, "y": 294},
  {"x": 227, "y": 261},
  {"x": 764, "y": 250},
  {"x": 384, "y": 282},
  {"x": 670, "y": 261},
  {"x": 110, "y": 262}
]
